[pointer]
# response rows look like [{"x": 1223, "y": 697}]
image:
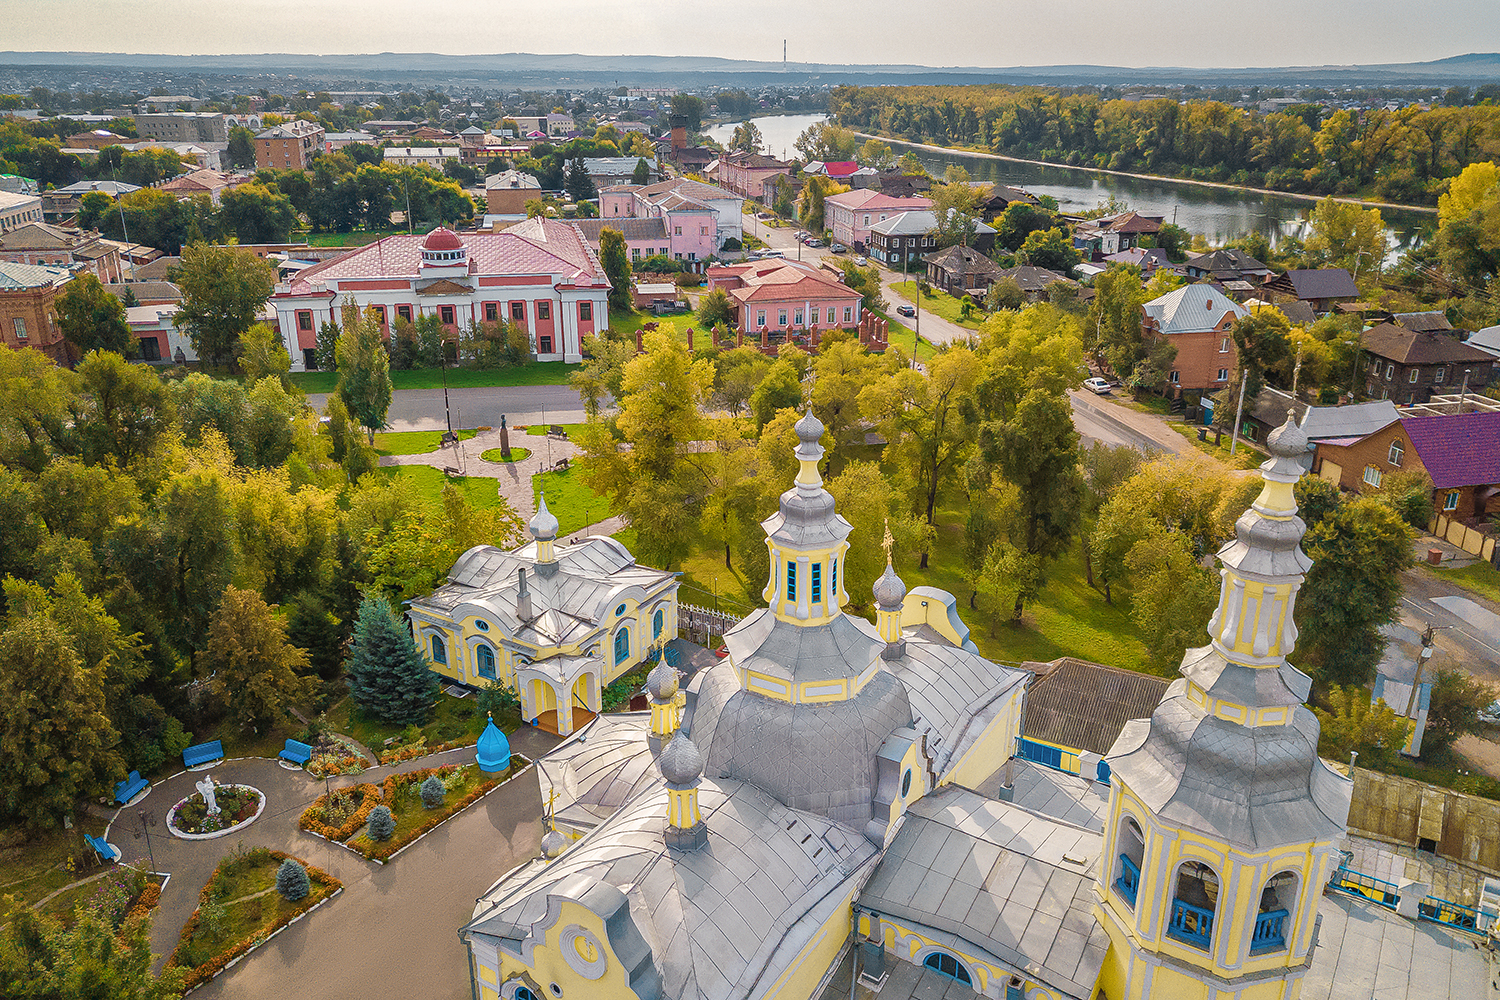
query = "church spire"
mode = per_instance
[
  {"x": 807, "y": 540},
  {"x": 543, "y": 528}
]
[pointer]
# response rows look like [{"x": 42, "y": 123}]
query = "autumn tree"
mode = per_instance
[
  {"x": 364, "y": 370},
  {"x": 1351, "y": 724},
  {"x": 615, "y": 260},
  {"x": 92, "y": 319},
  {"x": 256, "y": 672},
  {"x": 747, "y": 138},
  {"x": 603, "y": 373},
  {"x": 1453, "y": 709},
  {"x": 223, "y": 290},
  {"x": 43, "y": 957},
  {"x": 1345, "y": 235},
  {"x": 865, "y": 497},
  {"x": 263, "y": 354}
]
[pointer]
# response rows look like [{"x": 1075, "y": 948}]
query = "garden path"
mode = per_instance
[{"x": 514, "y": 478}]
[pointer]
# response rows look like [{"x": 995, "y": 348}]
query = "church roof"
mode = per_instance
[{"x": 1085, "y": 705}]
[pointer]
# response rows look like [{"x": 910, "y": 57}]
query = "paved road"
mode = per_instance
[
  {"x": 422, "y": 409},
  {"x": 1471, "y": 635}
]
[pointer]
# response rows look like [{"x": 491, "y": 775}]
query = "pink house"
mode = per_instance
[
  {"x": 696, "y": 218},
  {"x": 786, "y": 296},
  {"x": 747, "y": 173},
  {"x": 851, "y": 214}
]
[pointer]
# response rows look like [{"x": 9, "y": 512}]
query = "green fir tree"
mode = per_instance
[{"x": 388, "y": 675}]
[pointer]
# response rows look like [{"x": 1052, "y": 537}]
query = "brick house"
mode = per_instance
[
  {"x": 508, "y": 192},
  {"x": 1197, "y": 319},
  {"x": 44, "y": 244},
  {"x": 746, "y": 173},
  {"x": 1361, "y": 463},
  {"x": 851, "y": 214},
  {"x": 1461, "y": 452},
  {"x": 27, "y": 316},
  {"x": 784, "y": 297},
  {"x": 289, "y": 146},
  {"x": 1412, "y": 366}
]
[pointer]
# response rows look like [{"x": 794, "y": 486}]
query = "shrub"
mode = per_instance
[
  {"x": 433, "y": 792},
  {"x": 382, "y": 823},
  {"x": 320, "y": 817},
  {"x": 292, "y": 881}
]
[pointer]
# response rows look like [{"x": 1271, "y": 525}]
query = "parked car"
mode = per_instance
[
  {"x": 772, "y": 253},
  {"x": 839, "y": 248},
  {"x": 906, "y": 310},
  {"x": 861, "y": 261},
  {"x": 1098, "y": 386},
  {"x": 803, "y": 236},
  {"x": 1491, "y": 715},
  {"x": 816, "y": 243}
]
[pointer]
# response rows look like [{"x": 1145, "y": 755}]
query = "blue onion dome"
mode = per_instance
[
  {"x": 493, "y": 751},
  {"x": 890, "y": 589},
  {"x": 681, "y": 762},
  {"x": 553, "y": 843},
  {"x": 543, "y": 525},
  {"x": 661, "y": 682}
]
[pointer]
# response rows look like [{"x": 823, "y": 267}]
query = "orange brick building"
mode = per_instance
[
  {"x": 27, "y": 315},
  {"x": 1197, "y": 319}
]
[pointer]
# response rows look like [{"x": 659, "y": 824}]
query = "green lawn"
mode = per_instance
[
  {"x": 940, "y": 303},
  {"x": 452, "y": 719},
  {"x": 573, "y": 504},
  {"x": 410, "y": 813},
  {"x": 898, "y": 333},
  {"x": 1481, "y": 578},
  {"x": 356, "y": 239},
  {"x": 540, "y": 373},
  {"x": 1245, "y": 457},
  {"x": 413, "y": 442},
  {"x": 36, "y": 864},
  {"x": 481, "y": 491},
  {"x": 625, "y": 324},
  {"x": 498, "y": 456}
]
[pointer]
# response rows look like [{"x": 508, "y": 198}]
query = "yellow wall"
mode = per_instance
[
  {"x": 801, "y": 979},
  {"x": 911, "y": 945},
  {"x": 549, "y": 966}
]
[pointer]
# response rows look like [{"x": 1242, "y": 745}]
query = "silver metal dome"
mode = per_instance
[{"x": 681, "y": 762}]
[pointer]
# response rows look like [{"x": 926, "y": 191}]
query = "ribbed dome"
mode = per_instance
[
  {"x": 681, "y": 762},
  {"x": 553, "y": 844},
  {"x": 442, "y": 238},
  {"x": 890, "y": 590},
  {"x": 809, "y": 429},
  {"x": 493, "y": 750},
  {"x": 661, "y": 682},
  {"x": 543, "y": 526}
]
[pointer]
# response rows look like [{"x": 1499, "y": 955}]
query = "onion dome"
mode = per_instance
[
  {"x": 1288, "y": 442},
  {"x": 890, "y": 589},
  {"x": 661, "y": 682},
  {"x": 681, "y": 762},
  {"x": 543, "y": 526},
  {"x": 493, "y": 750},
  {"x": 809, "y": 431},
  {"x": 553, "y": 843},
  {"x": 442, "y": 238}
]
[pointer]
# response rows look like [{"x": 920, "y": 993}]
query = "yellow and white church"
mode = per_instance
[{"x": 833, "y": 789}]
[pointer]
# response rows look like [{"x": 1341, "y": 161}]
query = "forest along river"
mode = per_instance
[{"x": 1219, "y": 213}]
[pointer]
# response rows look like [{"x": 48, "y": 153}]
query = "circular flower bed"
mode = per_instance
[
  {"x": 239, "y": 806},
  {"x": 516, "y": 455}
]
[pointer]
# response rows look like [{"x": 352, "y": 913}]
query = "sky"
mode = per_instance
[{"x": 994, "y": 33}]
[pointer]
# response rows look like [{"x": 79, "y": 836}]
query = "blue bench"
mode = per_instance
[
  {"x": 203, "y": 753},
  {"x": 296, "y": 752},
  {"x": 130, "y": 787},
  {"x": 103, "y": 848}
]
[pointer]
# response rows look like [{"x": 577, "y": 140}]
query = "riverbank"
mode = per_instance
[{"x": 1159, "y": 178}]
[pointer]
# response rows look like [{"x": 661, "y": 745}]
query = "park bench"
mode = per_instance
[
  {"x": 296, "y": 752},
  {"x": 561, "y": 465},
  {"x": 103, "y": 848},
  {"x": 557, "y": 430},
  {"x": 130, "y": 787},
  {"x": 203, "y": 753}
]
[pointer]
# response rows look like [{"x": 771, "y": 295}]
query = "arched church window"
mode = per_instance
[
  {"x": 1132, "y": 849},
  {"x": 622, "y": 646},
  {"x": 439, "y": 651},
  {"x": 833, "y": 578},
  {"x": 1278, "y": 901},
  {"x": 484, "y": 657},
  {"x": 945, "y": 964},
  {"x": 658, "y": 622},
  {"x": 1192, "y": 917},
  {"x": 791, "y": 582}
]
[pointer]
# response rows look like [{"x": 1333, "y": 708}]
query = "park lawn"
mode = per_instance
[
  {"x": 517, "y": 454},
  {"x": 573, "y": 504},
  {"x": 1152, "y": 403},
  {"x": 453, "y": 719},
  {"x": 626, "y": 325},
  {"x": 941, "y": 303},
  {"x": 351, "y": 239},
  {"x": 1481, "y": 578},
  {"x": 242, "y": 741},
  {"x": 33, "y": 865},
  {"x": 64, "y": 903},
  {"x": 481, "y": 491},
  {"x": 537, "y": 373},
  {"x": 540, "y": 430},
  {"x": 413, "y": 442},
  {"x": 900, "y": 335},
  {"x": 1245, "y": 457},
  {"x": 410, "y": 813}
]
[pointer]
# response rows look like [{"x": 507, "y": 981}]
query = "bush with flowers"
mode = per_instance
[
  {"x": 338, "y": 815},
  {"x": 335, "y": 758},
  {"x": 402, "y": 793}
]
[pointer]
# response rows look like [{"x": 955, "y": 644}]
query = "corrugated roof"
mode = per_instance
[
  {"x": 14, "y": 277},
  {"x": 1411, "y": 347},
  {"x": 1457, "y": 449},
  {"x": 1192, "y": 309},
  {"x": 1085, "y": 705},
  {"x": 1328, "y": 423}
]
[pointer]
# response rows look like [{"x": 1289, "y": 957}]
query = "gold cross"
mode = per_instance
[{"x": 888, "y": 542}]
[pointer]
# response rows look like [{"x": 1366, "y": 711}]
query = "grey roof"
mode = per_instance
[
  {"x": 1487, "y": 340},
  {"x": 147, "y": 291},
  {"x": 598, "y": 769},
  {"x": 918, "y": 222},
  {"x": 1270, "y": 406},
  {"x": 508, "y": 179},
  {"x": 1318, "y": 283},
  {"x": 653, "y": 228},
  {"x": 1054, "y": 793},
  {"x": 1324, "y": 422},
  {"x": 1085, "y": 705},
  {"x": 714, "y": 918},
  {"x": 998, "y": 878},
  {"x": 1227, "y": 260},
  {"x": 112, "y": 188},
  {"x": 1191, "y": 308},
  {"x": 953, "y": 695},
  {"x": 1366, "y": 952},
  {"x": 1430, "y": 320},
  {"x": 15, "y": 276}
]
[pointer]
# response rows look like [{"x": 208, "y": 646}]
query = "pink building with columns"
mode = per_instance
[{"x": 781, "y": 296}]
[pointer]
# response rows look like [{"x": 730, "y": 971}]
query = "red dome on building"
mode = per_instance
[{"x": 442, "y": 239}]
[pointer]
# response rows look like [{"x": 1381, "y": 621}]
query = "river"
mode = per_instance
[{"x": 1220, "y": 214}]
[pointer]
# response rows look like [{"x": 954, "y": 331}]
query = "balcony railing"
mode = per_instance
[
  {"x": 1444, "y": 911},
  {"x": 1129, "y": 881},
  {"x": 1269, "y": 933},
  {"x": 1191, "y": 924}
]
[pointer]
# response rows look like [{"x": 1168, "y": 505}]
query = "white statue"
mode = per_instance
[{"x": 206, "y": 789}]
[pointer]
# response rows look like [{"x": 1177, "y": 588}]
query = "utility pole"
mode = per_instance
[{"x": 1234, "y": 438}]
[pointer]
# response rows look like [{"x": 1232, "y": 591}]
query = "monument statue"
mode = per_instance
[{"x": 206, "y": 789}]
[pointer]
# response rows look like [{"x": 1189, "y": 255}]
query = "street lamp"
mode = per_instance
[{"x": 147, "y": 822}]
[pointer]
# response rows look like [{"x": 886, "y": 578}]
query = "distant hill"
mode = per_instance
[{"x": 530, "y": 69}]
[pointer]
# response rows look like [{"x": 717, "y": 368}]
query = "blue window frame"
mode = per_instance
[
  {"x": 484, "y": 657},
  {"x": 833, "y": 578},
  {"x": 658, "y": 622},
  {"x": 622, "y": 646},
  {"x": 945, "y": 964},
  {"x": 524, "y": 993},
  {"x": 481, "y": 625},
  {"x": 817, "y": 582},
  {"x": 439, "y": 651},
  {"x": 791, "y": 582}
]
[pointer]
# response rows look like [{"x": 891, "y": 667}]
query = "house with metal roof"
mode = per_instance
[
  {"x": 1196, "y": 319},
  {"x": 1411, "y": 366},
  {"x": 1322, "y": 288}
]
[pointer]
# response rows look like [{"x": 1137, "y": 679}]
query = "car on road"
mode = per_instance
[
  {"x": 772, "y": 253},
  {"x": 803, "y": 235},
  {"x": 1098, "y": 386},
  {"x": 838, "y": 248},
  {"x": 861, "y": 261},
  {"x": 816, "y": 243},
  {"x": 906, "y": 310}
]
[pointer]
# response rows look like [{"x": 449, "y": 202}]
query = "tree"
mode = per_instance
[
  {"x": 223, "y": 290},
  {"x": 1115, "y": 318},
  {"x": 1345, "y": 235},
  {"x": 747, "y": 138},
  {"x": 780, "y": 389},
  {"x": 1453, "y": 710},
  {"x": 327, "y": 346},
  {"x": 615, "y": 260},
  {"x": 91, "y": 319},
  {"x": 716, "y": 309},
  {"x": 41, "y": 959},
  {"x": 1352, "y": 724},
  {"x": 911, "y": 166},
  {"x": 1468, "y": 239},
  {"x": 1018, "y": 221},
  {"x": 876, "y": 153},
  {"x": 256, "y": 214},
  {"x": 865, "y": 498},
  {"x": 642, "y": 173},
  {"x": 432, "y": 792},
  {"x": 263, "y": 355},
  {"x": 256, "y": 671},
  {"x": 1004, "y": 294},
  {"x": 955, "y": 206},
  {"x": 1173, "y": 598},
  {"x": 1050, "y": 249},
  {"x": 865, "y": 281},
  {"x": 364, "y": 370},
  {"x": 241, "y": 148},
  {"x": 817, "y": 189},
  {"x": 292, "y": 882},
  {"x": 578, "y": 183},
  {"x": 388, "y": 677},
  {"x": 603, "y": 373},
  {"x": 1358, "y": 549},
  {"x": 349, "y": 447},
  {"x": 382, "y": 824},
  {"x": 827, "y": 142},
  {"x": 690, "y": 108},
  {"x": 1262, "y": 345},
  {"x": 1175, "y": 241},
  {"x": 121, "y": 411}
]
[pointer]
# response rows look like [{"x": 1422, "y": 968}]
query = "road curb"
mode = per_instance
[{"x": 1119, "y": 425}]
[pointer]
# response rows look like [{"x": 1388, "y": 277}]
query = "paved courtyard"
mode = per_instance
[{"x": 393, "y": 931}]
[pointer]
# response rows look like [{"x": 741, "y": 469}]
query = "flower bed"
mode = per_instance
[
  {"x": 119, "y": 897},
  {"x": 239, "y": 805},
  {"x": 412, "y": 751},
  {"x": 145, "y": 902},
  {"x": 235, "y": 914},
  {"x": 330, "y": 760},
  {"x": 466, "y": 785},
  {"x": 337, "y": 820}
]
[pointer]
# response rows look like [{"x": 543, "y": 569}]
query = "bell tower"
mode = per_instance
[
  {"x": 1223, "y": 820},
  {"x": 807, "y": 539}
]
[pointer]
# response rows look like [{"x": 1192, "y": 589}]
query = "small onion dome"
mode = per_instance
[
  {"x": 553, "y": 844},
  {"x": 543, "y": 526},
  {"x": 681, "y": 762},
  {"x": 889, "y": 590},
  {"x": 661, "y": 682},
  {"x": 809, "y": 429},
  {"x": 442, "y": 238},
  {"x": 1288, "y": 440},
  {"x": 493, "y": 751}
]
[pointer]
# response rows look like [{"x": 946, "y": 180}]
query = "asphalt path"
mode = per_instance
[
  {"x": 1468, "y": 626},
  {"x": 423, "y": 409}
]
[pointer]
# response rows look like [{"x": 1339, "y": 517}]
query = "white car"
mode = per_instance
[
  {"x": 1098, "y": 386},
  {"x": 1491, "y": 715}
]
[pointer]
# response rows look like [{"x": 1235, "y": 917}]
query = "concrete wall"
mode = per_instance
[
  {"x": 1463, "y": 536},
  {"x": 1465, "y": 828}
]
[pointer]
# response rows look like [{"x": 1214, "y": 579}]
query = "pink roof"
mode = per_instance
[
  {"x": 871, "y": 200},
  {"x": 772, "y": 280},
  {"x": 840, "y": 168},
  {"x": 1457, "y": 449}
]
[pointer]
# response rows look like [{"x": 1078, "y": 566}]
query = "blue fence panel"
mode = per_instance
[
  {"x": 1040, "y": 753},
  {"x": 1129, "y": 881},
  {"x": 1190, "y": 923},
  {"x": 1443, "y": 911},
  {"x": 1270, "y": 932}
]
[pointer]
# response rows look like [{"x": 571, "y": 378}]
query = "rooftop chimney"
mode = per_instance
[{"x": 523, "y": 597}]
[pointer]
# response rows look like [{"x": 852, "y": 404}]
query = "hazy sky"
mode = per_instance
[{"x": 934, "y": 33}]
